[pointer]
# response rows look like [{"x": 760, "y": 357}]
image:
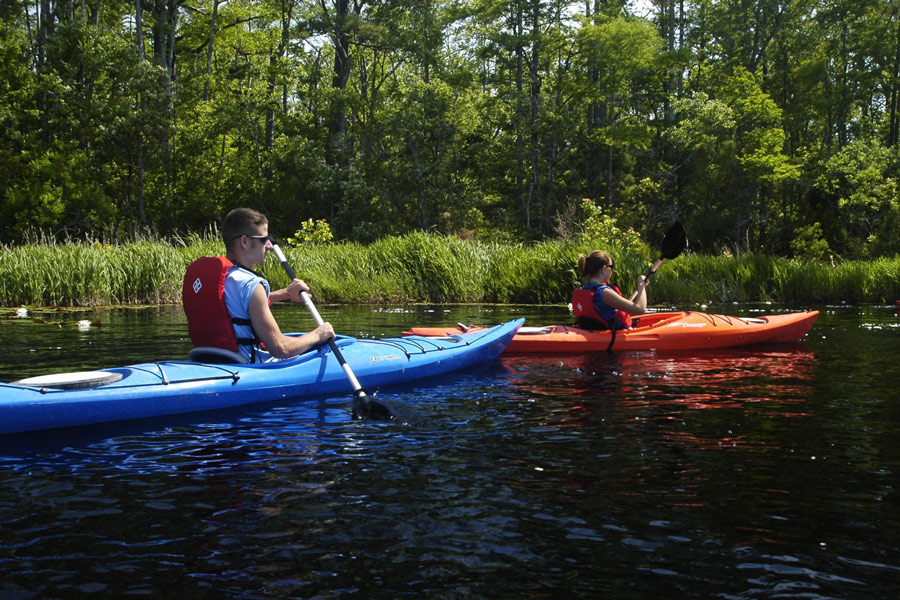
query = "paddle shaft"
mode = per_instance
[
  {"x": 646, "y": 279},
  {"x": 351, "y": 377}
]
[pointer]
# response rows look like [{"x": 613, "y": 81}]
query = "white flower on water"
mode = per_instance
[
  {"x": 84, "y": 325},
  {"x": 22, "y": 312}
]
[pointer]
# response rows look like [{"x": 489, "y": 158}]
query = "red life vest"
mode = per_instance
[
  {"x": 203, "y": 298},
  {"x": 583, "y": 306}
]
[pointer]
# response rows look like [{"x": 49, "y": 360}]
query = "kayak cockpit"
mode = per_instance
[
  {"x": 212, "y": 355},
  {"x": 80, "y": 380}
]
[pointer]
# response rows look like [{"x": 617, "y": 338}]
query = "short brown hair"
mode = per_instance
[{"x": 241, "y": 221}]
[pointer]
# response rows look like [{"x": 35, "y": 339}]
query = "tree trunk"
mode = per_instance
[
  {"x": 276, "y": 57},
  {"x": 209, "y": 48},
  {"x": 45, "y": 28},
  {"x": 163, "y": 53},
  {"x": 520, "y": 116},
  {"x": 672, "y": 86},
  {"x": 894, "y": 107},
  {"x": 591, "y": 118},
  {"x": 534, "y": 199},
  {"x": 139, "y": 25},
  {"x": 27, "y": 19},
  {"x": 337, "y": 126}
]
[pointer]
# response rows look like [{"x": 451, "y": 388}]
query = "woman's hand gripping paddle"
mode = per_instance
[
  {"x": 363, "y": 404},
  {"x": 673, "y": 244}
]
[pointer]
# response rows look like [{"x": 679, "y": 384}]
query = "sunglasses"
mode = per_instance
[
  {"x": 611, "y": 267},
  {"x": 252, "y": 237}
]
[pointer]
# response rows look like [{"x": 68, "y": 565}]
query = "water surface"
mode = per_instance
[{"x": 769, "y": 472}]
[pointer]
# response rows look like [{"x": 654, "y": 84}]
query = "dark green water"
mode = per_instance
[{"x": 770, "y": 472}]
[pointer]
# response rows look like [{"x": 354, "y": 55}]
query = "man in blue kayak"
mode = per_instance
[{"x": 227, "y": 303}]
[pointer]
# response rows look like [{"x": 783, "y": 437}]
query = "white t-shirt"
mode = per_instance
[{"x": 239, "y": 287}]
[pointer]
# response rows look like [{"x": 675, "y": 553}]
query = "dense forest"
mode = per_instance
[{"x": 764, "y": 125}]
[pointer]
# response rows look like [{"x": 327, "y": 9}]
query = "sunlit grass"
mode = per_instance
[{"x": 430, "y": 268}]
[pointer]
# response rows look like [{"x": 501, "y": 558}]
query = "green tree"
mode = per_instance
[
  {"x": 621, "y": 66},
  {"x": 733, "y": 149},
  {"x": 861, "y": 183}
]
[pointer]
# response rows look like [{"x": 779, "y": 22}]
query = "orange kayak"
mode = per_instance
[{"x": 655, "y": 331}]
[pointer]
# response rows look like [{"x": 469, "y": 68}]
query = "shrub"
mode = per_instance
[{"x": 809, "y": 244}]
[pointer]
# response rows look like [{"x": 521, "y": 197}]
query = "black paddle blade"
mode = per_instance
[
  {"x": 365, "y": 406},
  {"x": 385, "y": 410},
  {"x": 674, "y": 243}
]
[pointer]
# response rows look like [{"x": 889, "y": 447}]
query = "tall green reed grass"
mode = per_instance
[
  {"x": 422, "y": 267},
  {"x": 758, "y": 278}
]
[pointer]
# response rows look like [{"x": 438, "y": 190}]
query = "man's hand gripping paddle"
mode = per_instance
[{"x": 363, "y": 404}]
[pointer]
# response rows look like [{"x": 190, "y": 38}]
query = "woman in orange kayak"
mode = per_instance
[{"x": 600, "y": 305}]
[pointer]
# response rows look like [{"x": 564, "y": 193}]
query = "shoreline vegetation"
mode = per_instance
[{"x": 432, "y": 268}]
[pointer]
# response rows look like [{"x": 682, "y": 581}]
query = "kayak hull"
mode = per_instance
[
  {"x": 173, "y": 387},
  {"x": 656, "y": 331}
]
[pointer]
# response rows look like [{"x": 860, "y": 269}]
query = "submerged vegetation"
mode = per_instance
[{"x": 421, "y": 267}]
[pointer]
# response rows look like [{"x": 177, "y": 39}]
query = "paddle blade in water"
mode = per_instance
[{"x": 368, "y": 407}]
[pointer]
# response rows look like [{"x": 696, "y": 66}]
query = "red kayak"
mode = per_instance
[{"x": 655, "y": 331}]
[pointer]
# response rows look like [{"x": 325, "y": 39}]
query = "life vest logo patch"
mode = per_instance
[{"x": 197, "y": 285}]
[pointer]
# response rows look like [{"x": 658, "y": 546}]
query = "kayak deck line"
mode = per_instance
[
  {"x": 555, "y": 329},
  {"x": 729, "y": 319},
  {"x": 402, "y": 345},
  {"x": 477, "y": 334}
]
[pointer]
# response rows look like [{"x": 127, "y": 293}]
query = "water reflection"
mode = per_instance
[
  {"x": 768, "y": 383},
  {"x": 757, "y": 473}
]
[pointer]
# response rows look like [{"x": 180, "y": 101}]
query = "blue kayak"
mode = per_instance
[{"x": 171, "y": 387}]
